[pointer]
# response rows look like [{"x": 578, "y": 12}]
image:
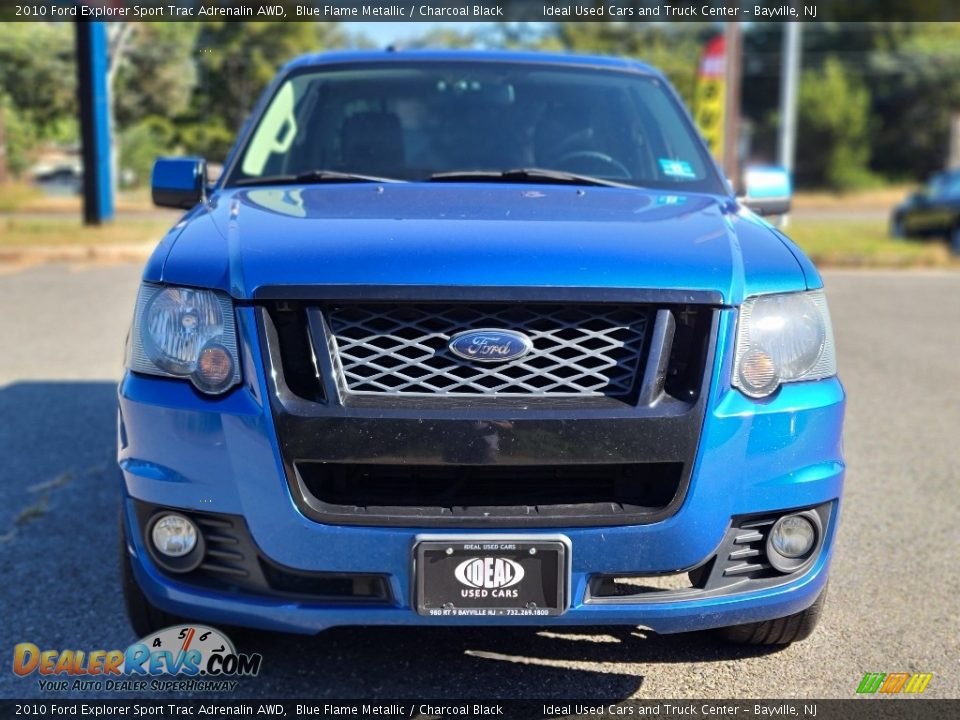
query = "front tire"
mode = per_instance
[
  {"x": 954, "y": 240},
  {"x": 779, "y": 631},
  {"x": 145, "y": 617},
  {"x": 898, "y": 230}
]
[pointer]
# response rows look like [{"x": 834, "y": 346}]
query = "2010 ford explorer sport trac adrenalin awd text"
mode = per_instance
[{"x": 477, "y": 339}]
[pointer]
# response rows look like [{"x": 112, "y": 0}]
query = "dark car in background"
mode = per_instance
[
  {"x": 60, "y": 180},
  {"x": 931, "y": 212}
]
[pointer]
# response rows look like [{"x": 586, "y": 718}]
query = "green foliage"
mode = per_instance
[
  {"x": 672, "y": 48},
  {"x": 863, "y": 243},
  {"x": 21, "y": 137},
  {"x": 157, "y": 74},
  {"x": 834, "y": 117},
  {"x": 916, "y": 88},
  {"x": 912, "y": 74},
  {"x": 141, "y": 144},
  {"x": 208, "y": 137},
  {"x": 235, "y": 62},
  {"x": 15, "y": 195},
  {"x": 37, "y": 88},
  {"x": 875, "y": 101},
  {"x": 183, "y": 87},
  {"x": 37, "y": 72}
]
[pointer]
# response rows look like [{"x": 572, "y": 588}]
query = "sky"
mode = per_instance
[{"x": 386, "y": 33}]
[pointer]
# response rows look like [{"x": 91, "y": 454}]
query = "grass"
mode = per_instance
[
  {"x": 865, "y": 243},
  {"x": 24, "y": 197},
  {"x": 882, "y": 198},
  {"x": 14, "y": 196},
  {"x": 17, "y": 232}
]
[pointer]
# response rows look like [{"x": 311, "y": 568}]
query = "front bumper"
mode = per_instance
[{"x": 179, "y": 449}]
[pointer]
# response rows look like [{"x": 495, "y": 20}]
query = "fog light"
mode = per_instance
[
  {"x": 174, "y": 536},
  {"x": 793, "y": 536}
]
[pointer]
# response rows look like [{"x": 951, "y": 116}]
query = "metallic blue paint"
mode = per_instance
[
  {"x": 178, "y": 182},
  {"x": 184, "y": 450},
  {"x": 469, "y": 234},
  {"x": 219, "y": 454}
]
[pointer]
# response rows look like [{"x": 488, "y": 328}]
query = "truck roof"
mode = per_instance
[{"x": 446, "y": 56}]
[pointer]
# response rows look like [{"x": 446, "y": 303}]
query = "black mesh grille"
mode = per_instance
[{"x": 588, "y": 350}]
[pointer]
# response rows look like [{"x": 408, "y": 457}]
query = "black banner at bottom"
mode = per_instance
[{"x": 914, "y": 708}]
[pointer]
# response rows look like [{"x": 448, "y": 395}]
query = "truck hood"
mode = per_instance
[{"x": 252, "y": 241}]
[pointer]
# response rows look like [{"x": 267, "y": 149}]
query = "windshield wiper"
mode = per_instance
[
  {"x": 526, "y": 175},
  {"x": 315, "y": 176}
]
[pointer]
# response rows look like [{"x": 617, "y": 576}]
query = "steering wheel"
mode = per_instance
[{"x": 622, "y": 172}]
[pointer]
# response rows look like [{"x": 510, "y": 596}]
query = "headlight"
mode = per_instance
[
  {"x": 185, "y": 333},
  {"x": 783, "y": 338}
]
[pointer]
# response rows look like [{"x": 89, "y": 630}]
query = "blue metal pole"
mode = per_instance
[{"x": 92, "y": 59}]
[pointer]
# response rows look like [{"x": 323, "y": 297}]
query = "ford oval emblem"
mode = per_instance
[{"x": 490, "y": 345}]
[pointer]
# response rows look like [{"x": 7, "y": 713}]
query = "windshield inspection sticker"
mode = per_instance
[
  {"x": 677, "y": 168},
  {"x": 671, "y": 199}
]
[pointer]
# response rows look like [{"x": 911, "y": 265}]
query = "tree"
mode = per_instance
[
  {"x": 144, "y": 141},
  {"x": 673, "y": 48},
  {"x": 20, "y": 138},
  {"x": 37, "y": 88},
  {"x": 235, "y": 62},
  {"x": 834, "y": 124},
  {"x": 157, "y": 73},
  {"x": 915, "y": 84},
  {"x": 37, "y": 71}
]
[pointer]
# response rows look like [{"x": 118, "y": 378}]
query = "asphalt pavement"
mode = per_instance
[{"x": 894, "y": 591}]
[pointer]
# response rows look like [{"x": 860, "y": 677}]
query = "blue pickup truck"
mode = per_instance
[{"x": 477, "y": 338}]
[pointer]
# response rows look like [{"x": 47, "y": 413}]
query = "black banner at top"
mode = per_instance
[
  {"x": 482, "y": 10},
  {"x": 456, "y": 709}
]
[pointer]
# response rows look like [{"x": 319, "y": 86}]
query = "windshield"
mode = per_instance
[{"x": 414, "y": 121}]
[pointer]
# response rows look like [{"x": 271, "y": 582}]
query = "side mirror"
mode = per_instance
[
  {"x": 768, "y": 190},
  {"x": 179, "y": 182}
]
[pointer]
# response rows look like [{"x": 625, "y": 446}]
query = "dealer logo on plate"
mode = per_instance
[{"x": 489, "y": 573}]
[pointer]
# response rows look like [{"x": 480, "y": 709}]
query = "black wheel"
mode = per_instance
[
  {"x": 954, "y": 239},
  {"x": 145, "y": 618},
  {"x": 779, "y": 631},
  {"x": 897, "y": 228}
]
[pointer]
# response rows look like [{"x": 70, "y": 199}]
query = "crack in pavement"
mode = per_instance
[{"x": 45, "y": 491}]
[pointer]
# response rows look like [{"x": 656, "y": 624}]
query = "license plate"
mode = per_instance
[{"x": 520, "y": 577}]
